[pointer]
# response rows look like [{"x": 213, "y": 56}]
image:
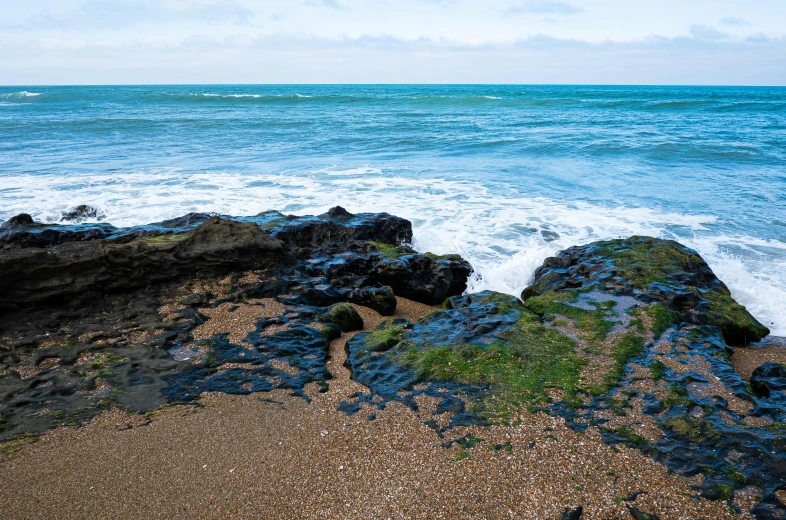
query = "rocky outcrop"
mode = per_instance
[
  {"x": 96, "y": 316},
  {"x": 652, "y": 271},
  {"x": 32, "y": 274}
]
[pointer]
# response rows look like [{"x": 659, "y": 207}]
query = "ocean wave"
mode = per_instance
[
  {"x": 505, "y": 235},
  {"x": 351, "y": 172},
  {"x": 241, "y": 97},
  {"x": 20, "y": 95}
]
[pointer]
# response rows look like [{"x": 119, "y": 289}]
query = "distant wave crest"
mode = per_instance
[{"x": 19, "y": 95}]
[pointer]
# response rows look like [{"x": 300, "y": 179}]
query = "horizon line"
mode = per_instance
[{"x": 716, "y": 85}]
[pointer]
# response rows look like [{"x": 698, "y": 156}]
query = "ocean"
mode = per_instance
[{"x": 504, "y": 175}]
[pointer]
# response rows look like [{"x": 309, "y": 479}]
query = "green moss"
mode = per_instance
[
  {"x": 623, "y": 348},
  {"x": 384, "y": 338},
  {"x": 346, "y": 317},
  {"x": 648, "y": 260},
  {"x": 389, "y": 250},
  {"x": 517, "y": 370},
  {"x": 593, "y": 323},
  {"x": 631, "y": 436},
  {"x": 453, "y": 257},
  {"x": 724, "y": 491},
  {"x": 164, "y": 239},
  {"x": 662, "y": 319},
  {"x": 505, "y": 303},
  {"x": 733, "y": 319},
  {"x": 658, "y": 370},
  {"x": 16, "y": 443},
  {"x": 104, "y": 359},
  {"x": 694, "y": 429},
  {"x": 735, "y": 475}
]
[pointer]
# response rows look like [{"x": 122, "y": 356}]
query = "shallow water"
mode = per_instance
[{"x": 505, "y": 175}]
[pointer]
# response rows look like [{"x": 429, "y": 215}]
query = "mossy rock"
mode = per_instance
[
  {"x": 390, "y": 251},
  {"x": 737, "y": 325},
  {"x": 164, "y": 239},
  {"x": 451, "y": 257},
  {"x": 346, "y": 317}
]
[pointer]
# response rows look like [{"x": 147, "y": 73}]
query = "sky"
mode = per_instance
[{"x": 704, "y": 42}]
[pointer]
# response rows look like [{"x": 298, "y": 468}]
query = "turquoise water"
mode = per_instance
[{"x": 506, "y": 175}]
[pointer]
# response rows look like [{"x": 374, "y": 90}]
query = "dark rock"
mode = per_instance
[
  {"x": 23, "y": 219},
  {"x": 93, "y": 292},
  {"x": 47, "y": 235},
  {"x": 81, "y": 213},
  {"x": 640, "y": 515},
  {"x": 768, "y": 378},
  {"x": 338, "y": 211},
  {"x": 32, "y": 275},
  {"x": 549, "y": 236},
  {"x": 346, "y": 317},
  {"x": 572, "y": 514},
  {"x": 655, "y": 271}
]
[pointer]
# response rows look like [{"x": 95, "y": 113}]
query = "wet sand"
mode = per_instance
[{"x": 272, "y": 455}]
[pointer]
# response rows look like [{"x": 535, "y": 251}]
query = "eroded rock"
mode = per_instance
[{"x": 96, "y": 316}]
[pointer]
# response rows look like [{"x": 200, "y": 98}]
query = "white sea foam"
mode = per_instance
[
  {"x": 350, "y": 172},
  {"x": 19, "y": 95},
  {"x": 254, "y": 96},
  {"x": 500, "y": 233}
]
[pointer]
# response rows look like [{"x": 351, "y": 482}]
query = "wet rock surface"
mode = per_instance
[
  {"x": 635, "y": 344},
  {"x": 96, "y": 316},
  {"x": 768, "y": 379}
]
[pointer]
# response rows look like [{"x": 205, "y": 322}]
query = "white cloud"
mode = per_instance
[
  {"x": 733, "y": 21},
  {"x": 705, "y": 32},
  {"x": 332, "y": 4},
  {"x": 542, "y": 7},
  {"x": 113, "y": 14}
]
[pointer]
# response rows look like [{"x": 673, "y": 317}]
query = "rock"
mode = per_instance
[
  {"x": 92, "y": 294},
  {"x": 572, "y": 514},
  {"x": 23, "y": 219},
  {"x": 346, "y": 317},
  {"x": 769, "y": 378},
  {"x": 639, "y": 515},
  {"x": 32, "y": 275},
  {"x": 380, "y": 299},
  {"x": 81, "y": 213},
  {"x": 46, "y": 235},
  {"x": 655, "y": 271},
  {"x": 338, "y": 211}
]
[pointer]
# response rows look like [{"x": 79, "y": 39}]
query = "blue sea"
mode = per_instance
[{"x": 504, "y": 175}]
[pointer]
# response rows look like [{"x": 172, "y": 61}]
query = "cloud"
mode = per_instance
[
  {"x": 733, "y": 21},
  {"x": 542, "y": 7},
  {"x": 114, "y": 14},
  {"x": 286, "y": 57},
  {"x": 705, "y": 32},
  {"x": 332, "y": 4}
]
